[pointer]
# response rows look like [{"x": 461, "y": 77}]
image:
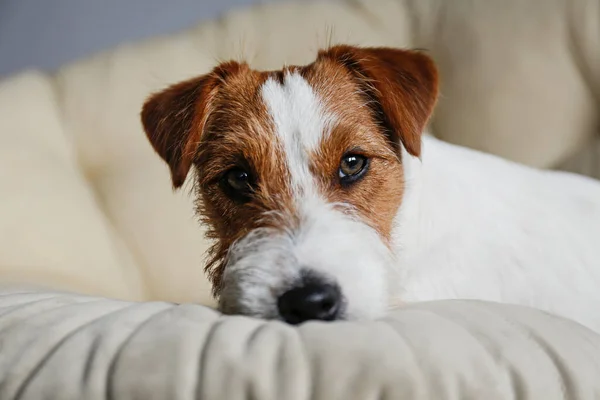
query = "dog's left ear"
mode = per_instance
[
  {"x": 174, "y": 119},
  {"x": 401, "y": 86}
]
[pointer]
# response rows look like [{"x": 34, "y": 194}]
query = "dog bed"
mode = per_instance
[{"x": 63, "y": 346}]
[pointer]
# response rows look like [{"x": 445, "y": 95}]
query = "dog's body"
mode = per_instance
[
  {"x": 476, "y": 226},
  {"x": 327, "y": 203}
]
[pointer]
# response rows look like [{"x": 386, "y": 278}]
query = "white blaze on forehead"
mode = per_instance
[{"x": 301, "y": 123}]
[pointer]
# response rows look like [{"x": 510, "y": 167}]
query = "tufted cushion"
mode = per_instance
[{"x": 104, "y": 349}]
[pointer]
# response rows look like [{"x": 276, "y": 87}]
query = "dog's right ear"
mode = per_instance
[
  {"x": 175, "y": 118},
  {"x": 401, "y": 87}
]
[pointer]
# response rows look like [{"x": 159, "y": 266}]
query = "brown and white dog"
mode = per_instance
[{"x": 326, "y": 202}]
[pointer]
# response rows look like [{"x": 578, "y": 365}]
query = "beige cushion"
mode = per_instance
[
  {"x": 104, "y": 349},
  {"x": 87, "y": 205},
  {"x": 52, "y": 229}
]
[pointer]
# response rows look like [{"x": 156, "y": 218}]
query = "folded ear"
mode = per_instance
[
  {"x": 401, "y": 86},
  {"x": 175, "y": 118}
]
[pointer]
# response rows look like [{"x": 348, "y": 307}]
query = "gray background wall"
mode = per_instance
[{"x": 48, "y": 33}]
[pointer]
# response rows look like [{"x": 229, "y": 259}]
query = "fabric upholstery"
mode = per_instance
[
  {"x": 89, "y": 205},
  {"x": 106, "y": 349}
]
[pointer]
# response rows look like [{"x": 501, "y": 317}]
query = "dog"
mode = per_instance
[{"x": 327, "y": 201}]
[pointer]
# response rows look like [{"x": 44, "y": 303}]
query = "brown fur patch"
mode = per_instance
[
  {"x": 240, "y": 133},
  {"x": 174, "y": 118},
  {"x": 378, "y": 194},
  {"x": 400, "y": 85}
]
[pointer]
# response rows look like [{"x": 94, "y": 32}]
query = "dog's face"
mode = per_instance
[{"x": 299, "y": 175}]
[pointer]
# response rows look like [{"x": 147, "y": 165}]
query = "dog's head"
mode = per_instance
[{"x": 299, "y": 175}]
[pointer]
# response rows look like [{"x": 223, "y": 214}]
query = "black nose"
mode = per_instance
[{"x": 311, "y": 301}]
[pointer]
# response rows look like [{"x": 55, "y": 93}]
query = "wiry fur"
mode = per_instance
[
  {"x": 428, "y": 221},
  {"x": 329, "y": 242}
]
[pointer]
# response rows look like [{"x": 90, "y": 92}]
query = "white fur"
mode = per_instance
[
  {"x": 471, "y": 225},
  {"x": 476, "y": 226},
  {"x": 301, "y": 123},
  {"x": 330, "y": 241}
]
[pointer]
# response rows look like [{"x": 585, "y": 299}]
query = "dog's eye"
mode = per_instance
[
  {"x": 237, "y": 184},
  {"x": 352, "y": 168}
]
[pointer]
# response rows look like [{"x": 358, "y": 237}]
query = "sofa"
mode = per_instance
[{"x": 103, "y": 293}]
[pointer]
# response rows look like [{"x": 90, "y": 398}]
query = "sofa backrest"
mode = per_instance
[{"x": 87, "y": 205}]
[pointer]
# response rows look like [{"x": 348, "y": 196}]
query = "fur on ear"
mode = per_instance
[
  {"x": 174, "y": 118},
  {"x": 401, "y": 86}
]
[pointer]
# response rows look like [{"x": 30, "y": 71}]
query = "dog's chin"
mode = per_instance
[
  {"x": 331, "y": 246},
  {"x": 247, "y": 306},
  {"x": 250, "y": 290}
]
